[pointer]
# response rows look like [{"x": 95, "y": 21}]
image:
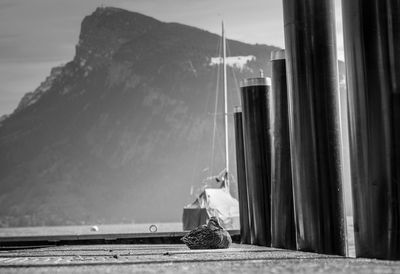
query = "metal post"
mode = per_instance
[
  {"x": 312, "y": 78},
  {"x": 372, "y": 51},
  {"x": 241, "y": 178},
  {"x": 227, "y": 183},
  {"x": 254, "y": 93},
  {"x": 283, "y": 234}
]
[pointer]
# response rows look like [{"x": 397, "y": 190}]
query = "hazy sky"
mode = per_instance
[{"x": 36, "y": 35}]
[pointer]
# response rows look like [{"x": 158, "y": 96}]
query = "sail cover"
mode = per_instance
[{"x": 212, "y": 202}]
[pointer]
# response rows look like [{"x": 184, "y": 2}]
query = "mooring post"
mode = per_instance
[
  {"x": 241, "y": 178},
  {"x": 254, "y": 93},
  {"x": 312, "y": 79},
  {"x": 283, "y": 234},
  {"x": 372, "y": 51}
]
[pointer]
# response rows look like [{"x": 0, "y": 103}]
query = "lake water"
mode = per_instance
[
  {"x": 126, "y": 228},
  {"x": 86, "y": 229}
]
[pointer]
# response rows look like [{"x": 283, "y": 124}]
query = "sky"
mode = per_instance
[{"x": 36, "y": 35}]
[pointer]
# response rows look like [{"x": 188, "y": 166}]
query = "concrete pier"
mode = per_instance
[{"x": 179, "y": 259}]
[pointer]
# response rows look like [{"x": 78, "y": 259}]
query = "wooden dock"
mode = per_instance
[{"x": 177, "y": 258}]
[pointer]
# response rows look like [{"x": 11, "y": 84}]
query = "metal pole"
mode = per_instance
[
  {"x": 254, "y": 93},
  {"x": 225, "y": 109},
  {"x": 283, "y": 234},
  {"x": 372, "y": 50},
  {"x": 241, "y": 178},
  {"x": 312, "y": 78}
]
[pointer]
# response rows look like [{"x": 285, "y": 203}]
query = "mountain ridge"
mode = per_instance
[{"x": 122, "y": 132}]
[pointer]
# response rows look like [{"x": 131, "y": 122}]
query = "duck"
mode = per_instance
[{"x": 209, "y": 236}]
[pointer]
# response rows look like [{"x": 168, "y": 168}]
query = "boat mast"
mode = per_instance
[{"x": 226, "y": 108}]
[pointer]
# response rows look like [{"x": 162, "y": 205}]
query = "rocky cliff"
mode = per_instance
[{"x": 123, "y": 131}]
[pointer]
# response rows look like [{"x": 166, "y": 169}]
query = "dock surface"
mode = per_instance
[{"x": 177, "y": 258}]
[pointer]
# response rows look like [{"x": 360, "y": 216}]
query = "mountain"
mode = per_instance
[{"x": 123, "y": 131}]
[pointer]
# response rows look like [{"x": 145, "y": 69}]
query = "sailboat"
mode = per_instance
[{"x": 216, "y": 202}]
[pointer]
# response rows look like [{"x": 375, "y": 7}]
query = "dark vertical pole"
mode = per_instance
[
  {"x": 312, "y": 75},
  {"x": 395, "y": 77},
  {"x": 372, "y": 48},
  {"x": 283, "y": 233},
  {"x": 254, "y": 93},
  {"x": 241, "y": 178}
]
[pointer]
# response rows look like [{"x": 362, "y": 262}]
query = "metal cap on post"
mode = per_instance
[
  {"x": 254, "y": 93},
  {"x": 258, "y": 81},
  {"x": 237, "y": 109},
  {"x": 278, "y": 55},
  {"x": 283, "y": 234}
]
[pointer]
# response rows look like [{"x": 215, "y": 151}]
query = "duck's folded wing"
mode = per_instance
[
  {"x": 202, "y": 238},
  {"x": 226, "y": 240}
]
